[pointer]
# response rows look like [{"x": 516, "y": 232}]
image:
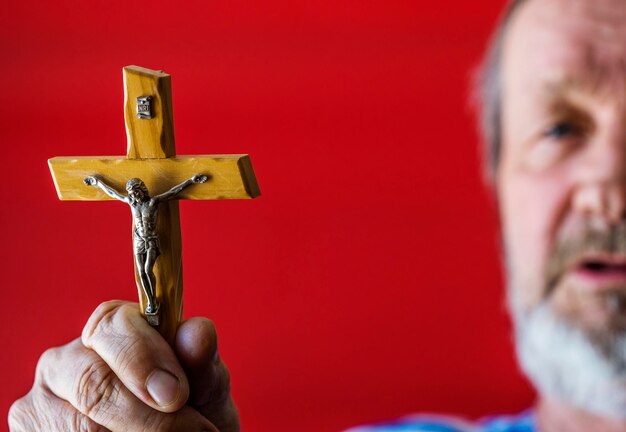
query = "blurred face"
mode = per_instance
[
  {"x": 563, "y": 169},
  {"x": 562, "y": 188},
  {"x": 136, "y": 194}
]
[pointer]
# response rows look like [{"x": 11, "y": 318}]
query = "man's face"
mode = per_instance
[
  {"x": 562, "y": 176},
  {"x": 562, "y": 195}
]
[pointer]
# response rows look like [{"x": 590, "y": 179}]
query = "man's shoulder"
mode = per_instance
[{"x": 523, "y": 422}]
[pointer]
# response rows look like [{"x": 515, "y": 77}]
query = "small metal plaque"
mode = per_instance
[{"x": 144, "y": 107}]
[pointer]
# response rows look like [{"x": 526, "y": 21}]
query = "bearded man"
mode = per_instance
[
  {"x": 554, "y": 113},
  {"x": 553, "y": 105}
]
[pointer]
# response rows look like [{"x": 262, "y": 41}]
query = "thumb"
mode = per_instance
[{"x": 208, "y": 376}]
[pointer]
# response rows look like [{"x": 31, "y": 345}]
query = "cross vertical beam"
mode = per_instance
[
  {"x": 148, "y": 138},
  {"x": 153, "y": 138}
]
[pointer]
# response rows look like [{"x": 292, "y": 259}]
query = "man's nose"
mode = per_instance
[{"x": 601, "y": 181}]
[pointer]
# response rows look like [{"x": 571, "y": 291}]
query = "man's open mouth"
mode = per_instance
[{"x": 602, "y": 269}]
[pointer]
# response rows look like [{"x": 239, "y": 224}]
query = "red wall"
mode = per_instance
[{"x": 363, "y": 284}]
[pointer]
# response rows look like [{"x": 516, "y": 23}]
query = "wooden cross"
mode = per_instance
[{"x": 151, "y": 156}]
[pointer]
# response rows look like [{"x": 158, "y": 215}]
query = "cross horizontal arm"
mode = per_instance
[{"x": 230, "y": 176}]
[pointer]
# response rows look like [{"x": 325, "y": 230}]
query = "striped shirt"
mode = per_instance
[{"x": 524, "y": 422}]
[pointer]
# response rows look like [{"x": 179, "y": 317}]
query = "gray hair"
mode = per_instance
[
  {"x": 488, "y": 93},
  {"x": 136, "y": 182}
]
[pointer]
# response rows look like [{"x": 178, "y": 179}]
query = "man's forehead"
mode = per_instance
[
  {"x": 576, "y": 40},
  {"x": 604, "y": 16}
]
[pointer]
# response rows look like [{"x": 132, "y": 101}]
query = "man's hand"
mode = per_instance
[{"x": 121, "y": 375}]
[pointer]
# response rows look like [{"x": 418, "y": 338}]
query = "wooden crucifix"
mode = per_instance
[{"x": 151, "y": 167}]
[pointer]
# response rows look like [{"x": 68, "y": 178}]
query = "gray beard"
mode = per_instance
[{"x": 565, "y": 363}]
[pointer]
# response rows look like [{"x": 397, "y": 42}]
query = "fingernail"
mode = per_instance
[{"x": 163, "y": 387}]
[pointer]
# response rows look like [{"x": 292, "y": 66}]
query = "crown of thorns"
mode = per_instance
[{"x": 135, "y": 182}]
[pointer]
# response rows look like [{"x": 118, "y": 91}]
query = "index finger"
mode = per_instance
[{"x": 137, "y": 354}]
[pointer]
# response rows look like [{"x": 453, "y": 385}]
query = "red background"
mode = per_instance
[{"x": 363, "y": 284}]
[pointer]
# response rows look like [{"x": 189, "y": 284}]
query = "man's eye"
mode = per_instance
[{"x": 561, "y": 130}]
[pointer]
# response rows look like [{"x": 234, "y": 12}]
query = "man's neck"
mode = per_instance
[{"x": 556, "y": 416}]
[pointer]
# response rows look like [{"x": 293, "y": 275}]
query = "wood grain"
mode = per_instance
[
  {"x": 151, "y": 156},
  {"x": 148, "y": 138},
  {"x": 230, "y": 176},
  {"x": 168, "y": 270}
]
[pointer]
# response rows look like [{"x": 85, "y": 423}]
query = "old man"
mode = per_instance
[{"x": 554, "y": 113}]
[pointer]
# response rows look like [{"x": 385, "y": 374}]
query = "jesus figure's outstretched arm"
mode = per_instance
[
  {"x": 97, "y": 182},
  {"x": 173, "y": 192}
]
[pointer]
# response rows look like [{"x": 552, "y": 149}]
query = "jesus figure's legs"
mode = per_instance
[
  {"x": 151, "y": 256},
  {"x": 147, "y": 282}
]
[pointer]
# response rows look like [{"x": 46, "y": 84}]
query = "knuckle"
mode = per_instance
[
  {"x": 101, "y": 320},
  {"x": 185, "y": 419},
  {"x": 128, "y": 354},
  {"x": 219, "y": 392},
  {"x": 154, "y": 421},
  {"x": 209, "y": 335},
  {"x": 223, "y": 382},
  {"x": 22, "y": 415},
  {"x": 82, "y": 423},
  {"x": 40, "y": 411},
  {"x": 228, "y": 418},
  {"x": 97, "y": 389},
  {"x": 47, "y": 358}
]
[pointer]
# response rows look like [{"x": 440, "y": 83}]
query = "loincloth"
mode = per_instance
[{"x": 143, "y": 244}]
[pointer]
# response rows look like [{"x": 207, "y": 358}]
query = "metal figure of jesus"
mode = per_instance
[{"x": 145, "y": 239}]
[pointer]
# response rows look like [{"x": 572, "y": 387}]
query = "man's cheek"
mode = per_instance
[
  {"x": 531, "y": 214},
  {"x": 526, "y": 264}
]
